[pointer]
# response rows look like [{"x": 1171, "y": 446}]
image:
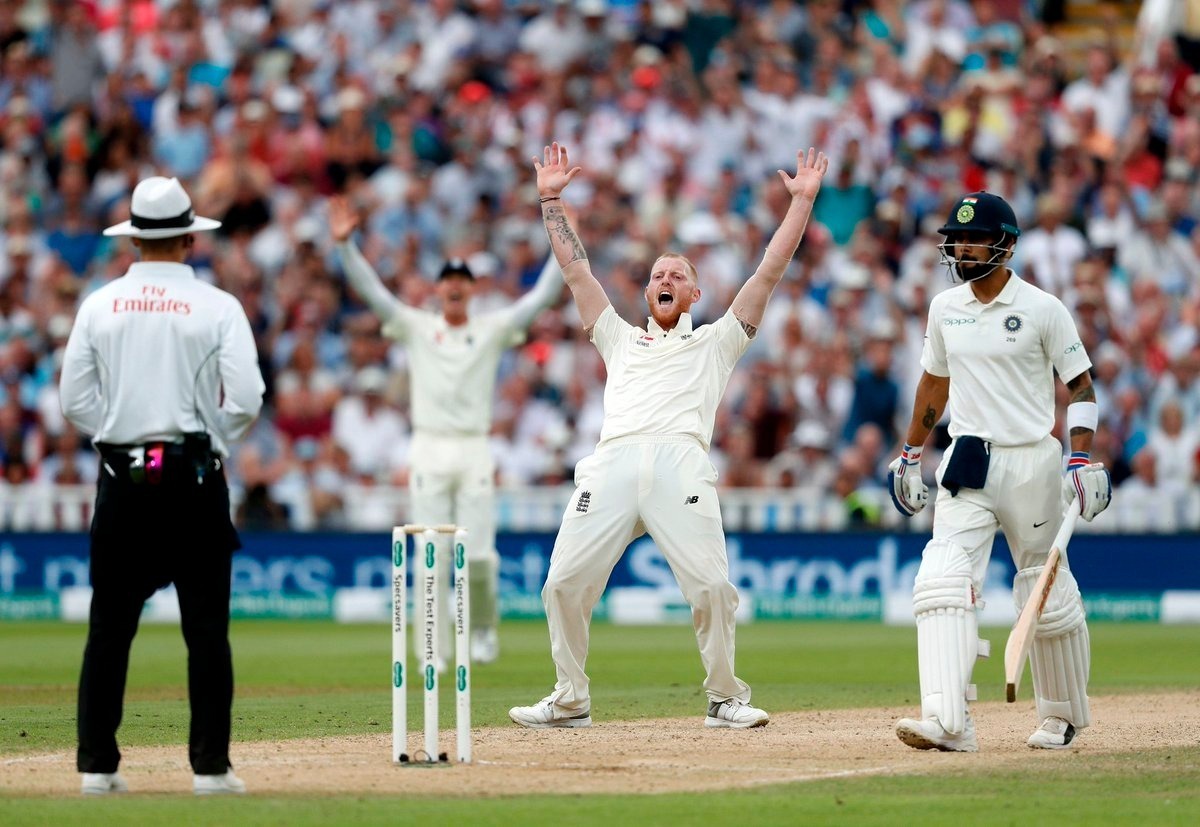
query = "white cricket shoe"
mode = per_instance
[
  {"x": 1054, "y": 733},
  {"x": 222, "y": 784},
  {"x": 735, "y": 714},
  {"x": 103, "y": 783},
  {"x": 929, "y": 734},
  {"x": 485, "y": 646},
  {"x": 545, "y": 715}
]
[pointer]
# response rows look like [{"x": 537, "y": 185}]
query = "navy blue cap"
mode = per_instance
[
  {"x": 981, "y": 212},
  {"x": 456, "y": 267}
]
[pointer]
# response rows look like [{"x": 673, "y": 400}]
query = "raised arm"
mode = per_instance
[
  {"x": 543, "y": 294},
  {"x": 343, "y": 220},
  {"x": 751, "y": 300},
  {"x": 553, "y": 174}
]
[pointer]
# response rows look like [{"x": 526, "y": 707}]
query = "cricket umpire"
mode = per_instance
[
  {"x": 992, "y": 347},
  {"x": 161, "y": 369}
]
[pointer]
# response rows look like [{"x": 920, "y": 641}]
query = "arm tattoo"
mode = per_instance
[
  {"x": 559, "y": 228},
  {"x": 930, "y": 417},
  {"x": 1081, "y": 393},
  {"x": 1087, "y": 393},
  {"x": 750, "y": 329}
]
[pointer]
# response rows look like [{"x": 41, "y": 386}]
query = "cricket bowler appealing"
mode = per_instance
[
  {"x": 650, "y": 472},
  {"x": 992, "y": 346}
]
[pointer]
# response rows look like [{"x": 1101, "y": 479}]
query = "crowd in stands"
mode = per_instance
[{"x": 427, "y": 115}]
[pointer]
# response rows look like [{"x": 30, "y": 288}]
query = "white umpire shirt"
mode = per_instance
[
  {"x": 1000, "y": 358},
  {"x": 666, "y": 382},
  {"x": 158, "y": 354}
]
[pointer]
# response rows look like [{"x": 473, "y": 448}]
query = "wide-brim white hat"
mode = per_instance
[{"x": 161, "y": 209}]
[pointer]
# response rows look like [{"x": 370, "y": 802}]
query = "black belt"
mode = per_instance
[{"x": 147, "y": 461}]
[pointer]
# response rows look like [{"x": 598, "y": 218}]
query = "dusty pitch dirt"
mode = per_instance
[{"x": 650, "y": 756}]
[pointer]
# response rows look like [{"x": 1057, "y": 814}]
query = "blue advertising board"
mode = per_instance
[{"x": 765, "y": 567}]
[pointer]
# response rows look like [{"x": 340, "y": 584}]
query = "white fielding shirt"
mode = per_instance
[
  {"x": 665, "y": 382},
  {"x": 158, "y": 354},
  {"x": 1001, "y": 359},
  {"x": 452, "y": 368}
]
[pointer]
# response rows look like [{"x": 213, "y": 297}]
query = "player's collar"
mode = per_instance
[
  {"x": 1007, "y": 294},
  {"x": 684, "y": 325}
]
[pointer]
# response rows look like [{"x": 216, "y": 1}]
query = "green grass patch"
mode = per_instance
[
  {"x": 314, "y": 678},
  {"x": 307, "y": 679}
]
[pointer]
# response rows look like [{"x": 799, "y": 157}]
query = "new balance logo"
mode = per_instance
[
  {"x": 585, "y": 499},
  {"x": 690, "y": 500}
]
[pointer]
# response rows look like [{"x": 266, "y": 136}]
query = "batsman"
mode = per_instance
[{"x": 992, "y": 346}]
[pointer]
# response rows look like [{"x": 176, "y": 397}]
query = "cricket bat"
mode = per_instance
[{"x": 1016, "y": 651}]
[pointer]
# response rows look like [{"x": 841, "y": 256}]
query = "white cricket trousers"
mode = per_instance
[
  {"x": 1022, "y": 497},
  {"x": 664, "y": 486},
  {"x": 451, "y": 480}
]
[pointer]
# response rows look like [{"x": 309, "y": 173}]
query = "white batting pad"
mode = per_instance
[
  {"x": 947, "y": 633},
  {"x": 1060, "y": 658}
]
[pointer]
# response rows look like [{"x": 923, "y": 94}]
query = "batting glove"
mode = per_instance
[
  {"x": 909, "y": 492},
  {"x": 1090, "y": 482}
]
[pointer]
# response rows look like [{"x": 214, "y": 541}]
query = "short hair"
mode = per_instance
[
  {"x": 161, "y": 246},
  {"x": 687, "y": 262}
]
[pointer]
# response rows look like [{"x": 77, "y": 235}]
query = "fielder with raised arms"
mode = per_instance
[
  {"x": 991, "y": 349},
  {"x": 650, "y": 471},
  {"x": 452, "y": 359}
]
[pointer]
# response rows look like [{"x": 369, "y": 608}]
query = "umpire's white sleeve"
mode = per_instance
[
  {"x": 241, "y": 382},
  {"x": 79, "y": 385}
]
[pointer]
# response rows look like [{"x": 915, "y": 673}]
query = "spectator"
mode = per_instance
[{"x": 366, "y": 427}]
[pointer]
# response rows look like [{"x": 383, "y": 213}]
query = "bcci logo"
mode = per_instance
[
  {"x": 965, "y": 213},
  {"x": 1012, "y": 323}
]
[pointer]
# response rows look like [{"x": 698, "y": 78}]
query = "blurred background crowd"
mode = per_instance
[{"x": 427, "y": 114}]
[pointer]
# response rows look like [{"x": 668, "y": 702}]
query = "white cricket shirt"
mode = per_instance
[
  {"x": 1001, "y": 359},
  {"x": 665, "y": 382},
  {"x": 452, "y": 369},
  {"x": 158, "y": 354}
]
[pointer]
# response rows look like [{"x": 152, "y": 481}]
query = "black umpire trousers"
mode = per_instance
[{"x": 144, "y": 536}]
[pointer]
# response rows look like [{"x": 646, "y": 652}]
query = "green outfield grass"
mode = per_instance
[{"x": 306, "y": 679}]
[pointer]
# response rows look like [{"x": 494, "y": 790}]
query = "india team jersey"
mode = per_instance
[
  {"x": 665, "y": 382},
  {"x": 1001, "y": 359},
  {"x": 453, "y": 368}
]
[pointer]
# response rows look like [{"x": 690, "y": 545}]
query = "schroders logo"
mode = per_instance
[
  {"x": 1073, "y": 348},
  {"x": 959, "y": 320}
]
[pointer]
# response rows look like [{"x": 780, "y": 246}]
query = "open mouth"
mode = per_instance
[{"x": 665, "y": 298}]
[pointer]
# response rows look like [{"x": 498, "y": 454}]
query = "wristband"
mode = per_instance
[
  {"x": 911, "y": 453},
  {"x": 1082, "y": 415},
  {"x": 1078, "y": 460},
  {"x": 549, "y": 198}
]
